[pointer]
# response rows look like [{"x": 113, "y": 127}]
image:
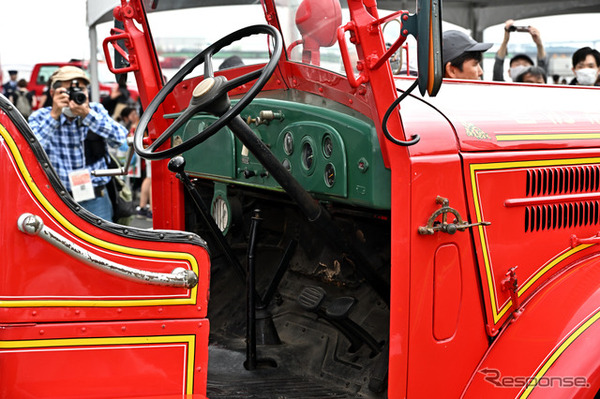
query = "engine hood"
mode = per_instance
[{"x": 505, "y": 116}]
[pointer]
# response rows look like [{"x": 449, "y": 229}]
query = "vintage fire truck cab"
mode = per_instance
[{"x": 367, "y": 239}]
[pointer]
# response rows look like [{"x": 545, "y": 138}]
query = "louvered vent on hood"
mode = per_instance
[
  {"x": 563, "y": 180},
  {"x": 562, "y": 212}
]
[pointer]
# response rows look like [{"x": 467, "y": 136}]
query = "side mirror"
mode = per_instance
[
  {"x": 429, "y": 45},
  {"x": 425, "y": 26}
]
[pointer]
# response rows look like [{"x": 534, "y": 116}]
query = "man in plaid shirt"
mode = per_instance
[{"x": 62, "y": 129}]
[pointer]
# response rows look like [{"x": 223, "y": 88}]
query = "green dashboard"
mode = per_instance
[{"x": 332, "y": 151}]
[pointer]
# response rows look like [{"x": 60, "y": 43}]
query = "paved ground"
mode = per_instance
[{"x": 142, "y": 223}]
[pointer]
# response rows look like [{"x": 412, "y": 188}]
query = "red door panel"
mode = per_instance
[
  {"x": 103, "y": 360},
  {"x": 70, "y": 326}
]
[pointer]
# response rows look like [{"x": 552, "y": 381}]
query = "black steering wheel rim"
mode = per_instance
[{"x": 204, "y": 57}]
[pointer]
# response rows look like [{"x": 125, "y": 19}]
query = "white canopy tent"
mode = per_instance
[
  {"x": 478, "y": 15},
  {"x": 98, "y": 11},
  {"x": 475, "y": 15}
]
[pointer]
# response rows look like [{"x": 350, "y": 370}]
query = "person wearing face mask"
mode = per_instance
[
  {"x": 520, "y": 62},
  {"x": 586, "y": 62}
]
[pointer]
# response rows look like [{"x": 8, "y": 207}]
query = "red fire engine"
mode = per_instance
[{"x": 362, "y": 240}]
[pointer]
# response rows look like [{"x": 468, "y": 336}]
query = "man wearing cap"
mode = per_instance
[
  {"x": 64, "y": 127},
  {"x": 520, "y": 62},
  {"x": 9, "y": 87},
  {"x": 462, "y": 55}
]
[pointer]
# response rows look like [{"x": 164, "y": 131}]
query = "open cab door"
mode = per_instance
[{"x": 89, "y": 308}]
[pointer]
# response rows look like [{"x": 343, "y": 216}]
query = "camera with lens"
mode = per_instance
[
  {"x": 515, "y": 28},
  {"x": 76, "y": 93}
]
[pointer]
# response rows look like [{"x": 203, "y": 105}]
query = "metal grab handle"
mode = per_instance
[
  {"x": 121, "y": 170},
  {"x": 179, "y": 277},
  {"x": 341, "y": 35},
  {"x": 116, "y": 35}
]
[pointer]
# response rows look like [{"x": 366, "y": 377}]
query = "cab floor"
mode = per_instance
[{"x": 228, "y": 379}]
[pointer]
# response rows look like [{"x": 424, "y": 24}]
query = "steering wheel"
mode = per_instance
[{"x": 210, "y": 95}]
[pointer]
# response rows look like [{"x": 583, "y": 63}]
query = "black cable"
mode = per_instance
[{"x": 415, "y": 138}]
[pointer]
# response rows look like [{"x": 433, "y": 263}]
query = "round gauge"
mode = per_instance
[
  {"x": 329, "y": 175},
  {"x": 307, "y": 155},
  {"x": 327, "y": 146},
  {"x": 288, "y": 143},
  {"x": 220, "y": 213},
  {"x": 194, "y": 127}
]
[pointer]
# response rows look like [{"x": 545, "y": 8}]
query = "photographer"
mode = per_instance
[
  {"x": 520, "y": 62},
  {"x": 74, "y": 134}
]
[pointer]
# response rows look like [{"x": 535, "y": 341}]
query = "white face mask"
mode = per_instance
[
  {"x": 68, "y": 113},
  {"x": 516, "y": 71},
  {"x": 586, "y": 76}
]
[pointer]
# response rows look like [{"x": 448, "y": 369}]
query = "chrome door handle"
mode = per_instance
[{"x": 179, "y": 277}]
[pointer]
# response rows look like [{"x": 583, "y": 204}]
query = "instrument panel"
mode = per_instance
[{"x": 334, "y": 155}]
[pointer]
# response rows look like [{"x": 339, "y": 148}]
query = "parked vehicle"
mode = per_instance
[
  {"x": 365, "y": 240},
  {"x": 41, "y": 73}
]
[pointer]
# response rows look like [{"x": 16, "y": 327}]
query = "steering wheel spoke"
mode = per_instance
[
  {"x": 177, "y": 123},
  {"x": 242, "y": 80},
  {"x": 210, "y": 95},
  {"x": 208, "y": 66}
]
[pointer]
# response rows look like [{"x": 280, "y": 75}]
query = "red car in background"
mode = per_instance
[{"x": 40, "y": 75}]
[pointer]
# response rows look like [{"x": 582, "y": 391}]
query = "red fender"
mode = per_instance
[{"x": 550, "y": 350}]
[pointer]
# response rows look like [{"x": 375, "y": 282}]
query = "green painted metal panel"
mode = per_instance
[{"x": 330, "y": 149}]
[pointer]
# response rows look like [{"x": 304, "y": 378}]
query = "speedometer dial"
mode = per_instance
[{"x": 307, "y": 155}]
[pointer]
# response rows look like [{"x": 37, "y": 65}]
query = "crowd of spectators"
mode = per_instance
[{"x": 462, "y": 57}]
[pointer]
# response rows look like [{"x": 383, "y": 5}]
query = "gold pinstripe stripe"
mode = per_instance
[
  {"x": 558, "y": 352},
  {"x": 191, "y": 299},
  {"x": 189, "y": 340}
]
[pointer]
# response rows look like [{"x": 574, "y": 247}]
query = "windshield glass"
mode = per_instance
[
  {"x": 181, "y": 34},
  {"x": 309, "y": 30}
]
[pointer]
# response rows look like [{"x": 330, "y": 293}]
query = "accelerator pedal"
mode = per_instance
[
  {"x": 335, "y": 311},
  {"x": 311, "y": 298}
]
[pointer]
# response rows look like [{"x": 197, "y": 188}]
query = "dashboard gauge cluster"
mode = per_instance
[{"x": 314, "y": 153}]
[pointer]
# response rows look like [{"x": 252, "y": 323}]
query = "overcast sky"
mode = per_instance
[
  {"x": 39, "y": 30},
  {"x": 43, "y": 31}
]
